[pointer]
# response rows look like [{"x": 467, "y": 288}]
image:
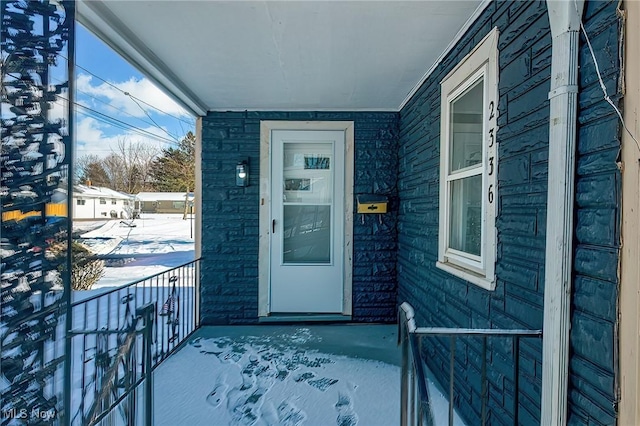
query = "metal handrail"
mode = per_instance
[
  {"x": 144, "y": 315},
  {"x": 133, "y": 283},
  {"x": 415, "y": 405},
  {"x": 413, "y": 380},
  {"x": 107, "y": 342}
]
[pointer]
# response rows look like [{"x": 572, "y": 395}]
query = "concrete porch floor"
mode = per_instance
[
  {"x": 343, "y": 374},
  {"x": 377, "y": 342}
]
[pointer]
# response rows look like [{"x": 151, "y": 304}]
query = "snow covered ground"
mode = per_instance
[
  {"x": 282, "y": 379},
  {"x": 265, "y": 381},
  {"x": 255, "y": 379},
  {"x": 140, "y": 248}
]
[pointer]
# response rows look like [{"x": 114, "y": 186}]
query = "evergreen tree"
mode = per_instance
[{"x": 174, "y": 170}]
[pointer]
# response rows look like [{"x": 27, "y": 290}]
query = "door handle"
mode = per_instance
[{"x": 273, "y": 226}]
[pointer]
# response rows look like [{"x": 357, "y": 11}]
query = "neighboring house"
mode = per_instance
[
  {"x": 93, "y": 202},
  {"x": 163, "y": 202},
  {"x": 505, "y": 187}
]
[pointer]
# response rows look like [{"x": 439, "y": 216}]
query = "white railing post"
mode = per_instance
[{"x": 415, "y": 403}]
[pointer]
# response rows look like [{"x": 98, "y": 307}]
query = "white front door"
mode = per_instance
[{"x": 307, "y": 221}]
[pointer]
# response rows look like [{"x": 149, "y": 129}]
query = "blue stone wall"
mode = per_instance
[
  {"x": 230, "y": 214},
  {"x": 441, "y": 299},
  {"x": 593, "y": 365}
]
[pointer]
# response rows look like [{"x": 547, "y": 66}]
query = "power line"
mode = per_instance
[
  {"x": 113, "y": 121},
  {"x": 126, "y": 93},
  {"x": 122, "y": 124},
  {"x": 147, "y": 114},
  {"x": 114, "y": 107}
]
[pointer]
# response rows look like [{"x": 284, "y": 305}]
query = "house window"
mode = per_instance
[
  {"x": 178, "y": 205},
  {"x": 125, "y": 203},
  {"x": 103, "y": 201},
  {"x": 113, "y": 201},
  {"x": 80, "y": 202},
  {"x": 468, "y": 166}
]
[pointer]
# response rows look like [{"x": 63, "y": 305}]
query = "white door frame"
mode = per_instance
[{"x": 266, "y": 127}]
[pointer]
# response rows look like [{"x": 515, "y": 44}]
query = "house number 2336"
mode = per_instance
[{"x": 492, "y": 141}]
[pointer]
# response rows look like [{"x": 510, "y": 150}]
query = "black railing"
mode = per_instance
[
  {"x": 415, "y": 405},
  {"x": 120, "y": 336}
]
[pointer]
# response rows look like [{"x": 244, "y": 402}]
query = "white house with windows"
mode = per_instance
[
  {"x": 163, "y": 202},
  {"x": 94, "y": 202}
]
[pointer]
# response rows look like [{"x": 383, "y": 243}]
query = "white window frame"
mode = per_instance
[{"x": 481, "y": 63}]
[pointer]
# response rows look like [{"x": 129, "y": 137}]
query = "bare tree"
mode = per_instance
[{"x": 127, "y": 168}]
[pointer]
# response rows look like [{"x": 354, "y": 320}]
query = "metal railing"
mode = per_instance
[
  {"x": 415, "y": 404},
  {"x": 118, "y": 339}
]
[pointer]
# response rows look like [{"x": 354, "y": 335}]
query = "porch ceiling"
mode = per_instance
[{"x": 281, "y": 55}]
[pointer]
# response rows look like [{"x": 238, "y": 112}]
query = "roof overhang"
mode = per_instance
[{"x": 282, "y": 55}]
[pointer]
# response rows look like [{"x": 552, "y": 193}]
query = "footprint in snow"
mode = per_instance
[
  {"x": 235, "y": 398},
  {"x": 344, "y": 407},
  {"x": 248, "y": 411},
  {"x": 248, "y": 381},
  {"x": 269, "y": 414},
  {"x": 290, "y": 415},
  {"x": 304, "y": 376},
  {"x": 219, "y": 392},
  {"x": 229, "y": 357},
  {"x": 323, "y": 384}
]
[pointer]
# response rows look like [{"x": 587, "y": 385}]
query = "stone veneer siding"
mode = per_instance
[
  {"x": 441, "y": 299},
  {"x": 230, "y": 214}
]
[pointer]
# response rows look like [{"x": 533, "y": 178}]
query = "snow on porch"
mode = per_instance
[{"x": 321, "y": 375}]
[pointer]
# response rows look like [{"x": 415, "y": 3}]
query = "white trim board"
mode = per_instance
[
  {"x": 472, "y": 19},
  {"x": 98, "y": 19},
  {"x": 266, "y": 127}
]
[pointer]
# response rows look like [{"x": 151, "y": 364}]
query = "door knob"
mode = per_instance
[{"x": 273, "y": 226}]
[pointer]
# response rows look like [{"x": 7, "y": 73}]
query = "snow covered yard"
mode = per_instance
[{"x": 141, "y": 247}]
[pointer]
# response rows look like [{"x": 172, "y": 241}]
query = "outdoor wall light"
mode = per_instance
[{"x": 242, "y": 173}]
